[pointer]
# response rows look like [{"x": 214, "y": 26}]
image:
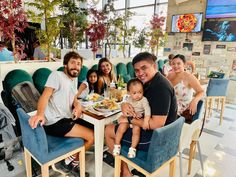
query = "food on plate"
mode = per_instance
[
  {"x": 186, "y": 22},
  {"x": 107, "y": 105},
  {"x": 93, "y": 97}
]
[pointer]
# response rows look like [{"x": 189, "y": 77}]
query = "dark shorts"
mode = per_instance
[
  {"x": 145, "y": 138},
  {"x": 65, "y": 125}
]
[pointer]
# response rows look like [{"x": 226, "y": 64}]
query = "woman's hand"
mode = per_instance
[
  {"x": 193, "y": 107},
  {"x": 34, "y": 120},
  {"x": 127, "y": 110}
]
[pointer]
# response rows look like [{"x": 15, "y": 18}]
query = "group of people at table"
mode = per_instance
[{"x": 154, "y": 101}]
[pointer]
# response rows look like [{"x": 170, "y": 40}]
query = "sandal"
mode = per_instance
[
  {"x": 132, "y": 152},
  {"x": 116, "y": 150}
]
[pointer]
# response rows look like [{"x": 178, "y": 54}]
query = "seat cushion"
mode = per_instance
[{"x": 58, "y": 146}]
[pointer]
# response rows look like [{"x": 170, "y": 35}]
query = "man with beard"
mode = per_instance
[{"x": 59, "y": 110}]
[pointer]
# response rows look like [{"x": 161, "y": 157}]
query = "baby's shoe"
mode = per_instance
[
  {"x": 116, "y": 150},
  {"x": 132, "y": 152}
]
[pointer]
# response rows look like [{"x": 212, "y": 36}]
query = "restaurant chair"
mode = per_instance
[
  {"x": 40, "y": 77},
  {"x": 189, "y": 138},
  {"x": 216, "y": 89},
  {"x": 130, "y": 69},
  {"x": 122, "y": 72},
  {"x": 47, "y": 150},
  {"x": 162, "y": 151}
]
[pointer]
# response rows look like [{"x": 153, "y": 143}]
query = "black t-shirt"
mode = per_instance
[{"x": 161, "y": 97}]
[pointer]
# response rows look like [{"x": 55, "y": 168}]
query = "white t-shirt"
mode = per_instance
[
  {"x": 85, "y": 92},
  {"x": 61, "y": 101}
]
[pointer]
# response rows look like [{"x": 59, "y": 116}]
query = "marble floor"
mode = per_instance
[{"x": 218, "y": 145}]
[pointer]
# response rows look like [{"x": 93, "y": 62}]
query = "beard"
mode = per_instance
[{"x": 72, "y": 72}]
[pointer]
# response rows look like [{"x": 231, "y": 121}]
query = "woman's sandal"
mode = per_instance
[
  {"x": 132, "y": 152},
  {"x": 116, "y": 150}
]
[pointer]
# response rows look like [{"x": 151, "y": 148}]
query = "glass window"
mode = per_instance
[
  {"x": 134, "y": 3},
  {"x": 119, "y": 4}
]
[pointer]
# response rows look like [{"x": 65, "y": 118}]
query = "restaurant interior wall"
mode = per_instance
[{"x": 207, "y": 55}]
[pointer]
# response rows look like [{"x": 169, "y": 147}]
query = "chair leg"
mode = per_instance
[
  {"x": 191, "y": 154},
  {"x": 172, "y": 168},
  {"x": 28, "y": 163},
  {"x": 218, "y": 104},
  {"x": 45, "y": 171},
  {"x": 117, "y": 166},
  {"x": 210, "y": 107},
  {"x": 82, "y": 162},
  {"x": 200, "y": 157},
  {"x": 222, "y": 110},
  {"x": 180, "y": 164}
]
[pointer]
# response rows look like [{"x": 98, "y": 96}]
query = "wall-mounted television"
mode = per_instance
[
  {"x": 186, "y": 23},
  {"x": 221, "y": 9},
  {"x": 219, "y": 31}
]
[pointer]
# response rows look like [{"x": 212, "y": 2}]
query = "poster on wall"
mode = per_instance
[
  {"x": 234, "y": 65},
  {"x": 188, "y": 46},
  {"x": 207, "y": 49},
  {"x": 219, "y": 46}
]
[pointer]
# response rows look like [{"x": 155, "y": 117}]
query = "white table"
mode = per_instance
[{"x": 99, "y": 126}]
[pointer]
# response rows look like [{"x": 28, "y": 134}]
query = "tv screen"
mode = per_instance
[
  {"x": 219, "y": 31},
  {"x": 186, "y": 23},
  {"x": 221, "y": 8}
]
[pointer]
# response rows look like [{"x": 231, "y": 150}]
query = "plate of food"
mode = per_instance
[
  {"x": 106, "y": 105},
  {"x": 93, "y": 97}
]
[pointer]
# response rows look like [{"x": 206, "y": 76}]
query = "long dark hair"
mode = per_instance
[
  {"x": 112, "y": 73},
  {"x": 95, "y": 85}
]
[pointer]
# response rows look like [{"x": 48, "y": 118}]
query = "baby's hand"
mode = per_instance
[
  {"x": 146, "y": 124},
  {"x": 138, "y": 115}
]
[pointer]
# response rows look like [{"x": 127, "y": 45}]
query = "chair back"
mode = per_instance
[
  {"x": 83, "y": 74},
  {"x": 34, "y": 140},
  {"x": 164, "y": 144},
  {"x": 130, "y": 69},
  {"x": 160, "y": 64},
  {"x": 40, "y": 77},
  {"x": 217, "y": 87}
]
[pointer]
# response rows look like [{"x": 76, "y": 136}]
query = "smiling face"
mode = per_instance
[
  {"x": 93, "y": 77},
  {"x": 73, "y": 67},
  {"x": 145, "y": 70},
  {"x": 136, "y": 91},
  {"x": 177, "y": 65},
  {"x": 106, "y": 68}
]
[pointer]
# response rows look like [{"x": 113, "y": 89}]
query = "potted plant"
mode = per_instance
[
  {"x": 96, "y": 30},
  {"x": 45, "y": 13},
  {"x": 74, "y": 23},
  {"x": 157, "y": 34},
  {"x": 13, "y": 18}
]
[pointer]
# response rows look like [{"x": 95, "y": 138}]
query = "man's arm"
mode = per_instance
[
  {"x": 77, "y": 111},
  {"x": 154, "y": 122},
  {"x": 42, "y": 103}
]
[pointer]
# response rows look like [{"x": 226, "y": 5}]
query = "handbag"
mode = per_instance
[{"x": 188, "y": 117}]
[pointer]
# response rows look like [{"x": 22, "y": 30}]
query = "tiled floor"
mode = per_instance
[{"x": 218, "y": 145}]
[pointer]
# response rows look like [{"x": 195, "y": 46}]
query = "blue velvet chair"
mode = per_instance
[
  {"x": 216, "y": 89},
  {"x": 162, "y": 151},
  {"x": 189, "y": 138},
  {"x": 130, "y": 69},
  {"x": 47, "y": 150},
  {"x": 122, "y": 71}
]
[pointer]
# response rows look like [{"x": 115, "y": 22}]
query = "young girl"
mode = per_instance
[
  {"x": 106, "y": 74},
  {"x": 142, "y": 110},
  {"x": 89, "y": 86}
]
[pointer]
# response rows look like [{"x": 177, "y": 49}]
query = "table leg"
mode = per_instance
[{"x": 99, "y": 142}]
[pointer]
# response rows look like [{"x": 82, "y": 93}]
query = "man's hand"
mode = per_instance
[
  {"x": 146, "y": 124},
  {"x": 127, "y": 110},
  {"x": 34, "y": 120},
  {"x": 77, "y": 111}
]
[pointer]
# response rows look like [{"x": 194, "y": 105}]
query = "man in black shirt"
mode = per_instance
[{"x": 162, "y": 100}]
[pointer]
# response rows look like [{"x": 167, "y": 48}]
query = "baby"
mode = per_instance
[{"x": 142, "y": 110}]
